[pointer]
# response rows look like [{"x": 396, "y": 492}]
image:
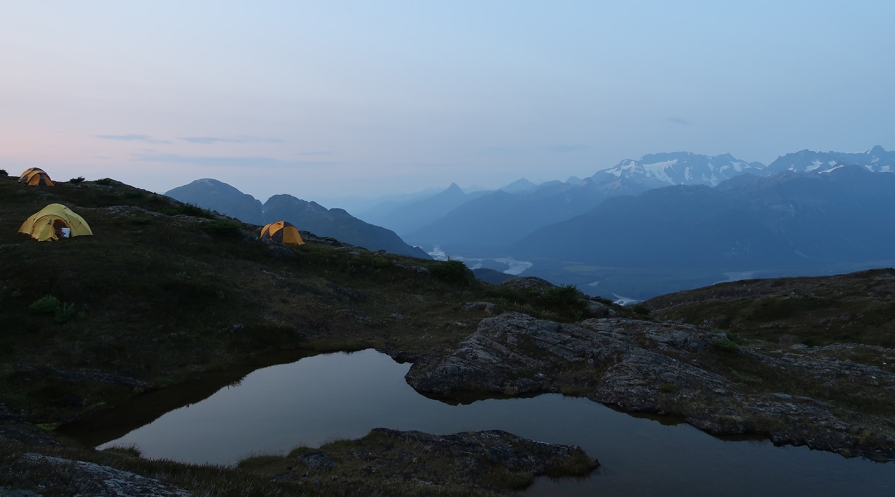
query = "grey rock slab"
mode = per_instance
[
  {"x": 106, "y": 481},
  {"x": 317, "y": 460},
  {"x": 6, "y": 492},
  {"x": 643, "y": 366},
  {"x": 481, "y": 448}
]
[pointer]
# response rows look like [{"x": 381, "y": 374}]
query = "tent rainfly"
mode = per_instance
[
  {"x": 48, "y": 222},
  {"x": 35, "y": 176},
  {"x": 282, "y": 232},
  {"x": 26, "y": 172}
]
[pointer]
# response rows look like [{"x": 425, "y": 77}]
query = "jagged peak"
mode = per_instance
[{"x": 520, "y": 185}]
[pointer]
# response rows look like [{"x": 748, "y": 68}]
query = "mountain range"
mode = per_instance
[
  {"x": 409, "y": 216},
  {"x": 309, "y": 216},
  {"x": 691, "y": 217},
  {"x": 876, "y": 159},
  {"x": 789, "y": 220},
  {"x": 677, "y": 168},
  {"x": 495, "y": 221},
  {"x": 492, "y": 223},
  {"x": 690, "y": 235}
]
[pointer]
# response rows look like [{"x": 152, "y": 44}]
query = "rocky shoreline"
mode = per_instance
[
  {"x": 491, "y": 462},
  {"x": 675, "y": 369}
]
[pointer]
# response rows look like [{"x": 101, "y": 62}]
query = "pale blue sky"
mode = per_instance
[{"x": 343, "y": 98}]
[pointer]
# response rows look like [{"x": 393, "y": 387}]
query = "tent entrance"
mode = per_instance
[{"x": 61, "y": 228}]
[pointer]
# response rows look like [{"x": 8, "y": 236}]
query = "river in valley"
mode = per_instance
[{"x": 332, "y": 396}]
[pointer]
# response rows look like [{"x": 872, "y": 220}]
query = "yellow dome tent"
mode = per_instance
[
  {"x": 283, "y": 232},
  {"x": 46, "y": 223},
  {"x": 35, "y": 176}
]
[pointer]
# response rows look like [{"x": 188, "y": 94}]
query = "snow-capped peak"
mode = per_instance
[
  {"x": 678, "y": 168},
  {"x": 877, "y": 159}
]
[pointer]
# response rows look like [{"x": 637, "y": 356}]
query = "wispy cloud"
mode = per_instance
[
  {"x": 132, "y": 138},
  {"x": 566, "y": 148},
  {"x": 259, "y": 162},
  {"x": 208, "y": 140},
  {"x": 678, "y": 120},
  {"x": 501, "y": 150},
  {"x": 320, "y": 152}
]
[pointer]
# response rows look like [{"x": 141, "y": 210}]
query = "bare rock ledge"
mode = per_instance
[{"x": 664, "y": 368}]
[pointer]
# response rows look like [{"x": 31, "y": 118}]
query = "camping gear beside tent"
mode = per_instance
[
  {"x": 35, "y": 176},
  {"x": 282, "y": 232},
  {"x": 47, "y": 222}
]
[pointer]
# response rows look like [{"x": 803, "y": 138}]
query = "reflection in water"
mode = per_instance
[{"x": 333, "y": 396}]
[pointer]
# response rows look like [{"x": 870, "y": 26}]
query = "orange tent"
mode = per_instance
[
  {"x": 35, "y": 176},
  {"x": 282, "y": 232},
  {"x": 28, "y": 171}
]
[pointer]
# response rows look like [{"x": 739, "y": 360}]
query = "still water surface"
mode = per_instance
[{"x": 332, "y": 396}]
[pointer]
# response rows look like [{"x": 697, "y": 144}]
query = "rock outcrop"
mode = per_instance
[
  {"x": 528, "y": 284},
  {"x": 87, "y": 478},
  {"x": 492, "y": 461},
  {"x": 663, "y": 368},
  {"x": 478, "y": 450}
]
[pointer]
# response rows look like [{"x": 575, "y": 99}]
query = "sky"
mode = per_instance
[{"x": 335, "y": 99}]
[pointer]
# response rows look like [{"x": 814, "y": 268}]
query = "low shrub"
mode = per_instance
[
  {"x": 452, "y": 272},
  {"x": 67, "y": 312},
  {"x": 223, "y": 228},
  {"x": 76, "y": 181},
  {"x": 602, "y": 300},
  {"x": 104, "y": 181},
  {"x": 3, "y": 173},
  {"x": 506, "y": 293},
  {"x": 562, "y": 295},
  {"x": 133, "y": 194},
  {"x": 551, "y": 316},
  {"x": 641, "y": 310},
  {"x": 47, "y": 304},
  {"x": 667, "y": 387},
  {"x": 742, "y": 378},
  {"x": 726, "y": 344},
  {"x": 189, "y": 210}
]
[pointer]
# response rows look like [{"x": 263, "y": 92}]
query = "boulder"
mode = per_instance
[{"x": 528, "y": 284}]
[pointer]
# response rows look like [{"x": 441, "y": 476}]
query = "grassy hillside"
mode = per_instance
[
  {"x": 851, "y": 308},
  {"x": 164, "y": 290}
]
